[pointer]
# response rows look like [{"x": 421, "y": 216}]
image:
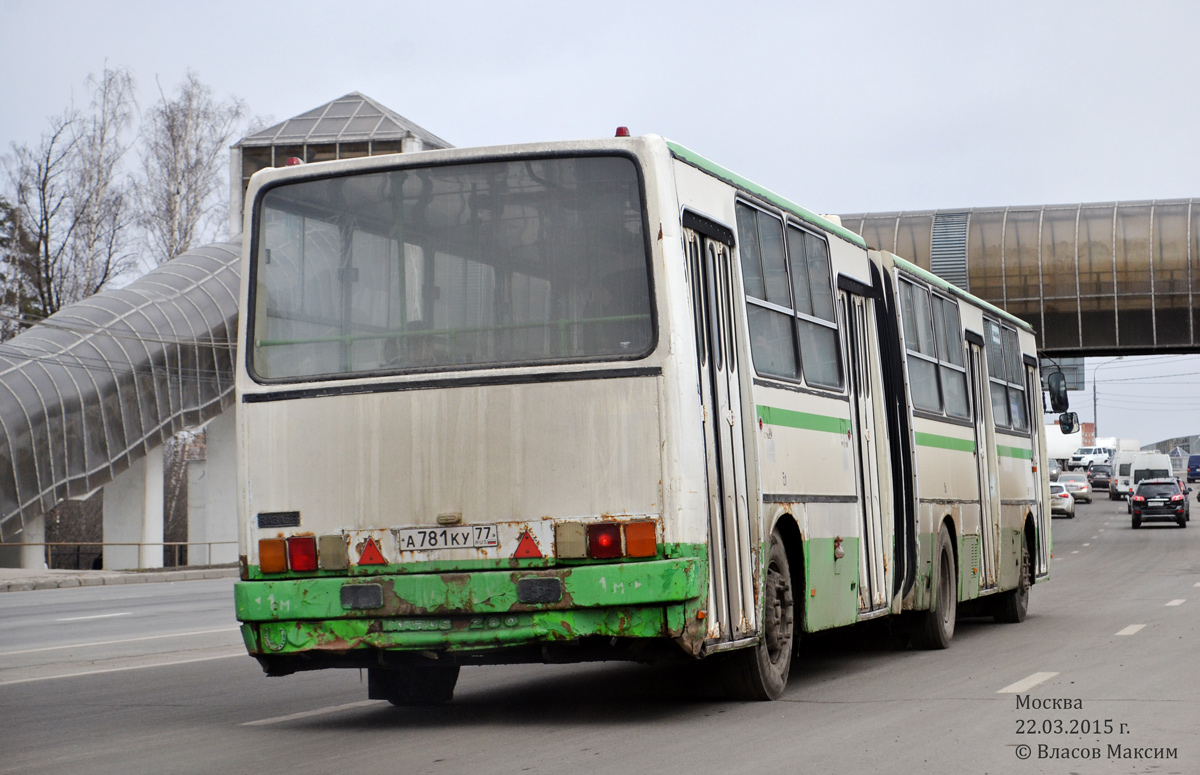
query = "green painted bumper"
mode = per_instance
[{"x": 465, "y": 611}]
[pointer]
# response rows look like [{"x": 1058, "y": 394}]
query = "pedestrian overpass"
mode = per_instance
[{"x": 1109, "y": 278}]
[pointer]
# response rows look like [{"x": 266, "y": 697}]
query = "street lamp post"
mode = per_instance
[{"x": 1096, "y": 417}]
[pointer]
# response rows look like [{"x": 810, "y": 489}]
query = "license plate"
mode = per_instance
[
  {"x": 1157, "y": 503},
  {"x": 423, "y": 539}
]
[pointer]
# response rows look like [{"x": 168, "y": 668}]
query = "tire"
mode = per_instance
[
  {"x": 407, "y": 686},
  {"x": 761, "y": 671},
  {"x": 1181, "y": 521},
  {"x": 1012, "y": 606},
  {"x": 936, "y": 626},
  {"x": 1137, "y": 522}
]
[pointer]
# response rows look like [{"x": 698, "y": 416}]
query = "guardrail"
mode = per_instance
[{"x": 179, "y": 553}]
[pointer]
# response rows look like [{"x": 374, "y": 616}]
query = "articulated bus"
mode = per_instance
[{"x": 609, "y": 400}]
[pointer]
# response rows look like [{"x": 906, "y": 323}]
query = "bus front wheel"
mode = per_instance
[
  {"x": 761, "y": 671},
  {"x": 404, "y": 686},
  {"x": 1012, "y": 606},
  {"x": 935, "y": 628}
]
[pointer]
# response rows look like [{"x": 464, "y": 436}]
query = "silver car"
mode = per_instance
[
  {"x": 1061, "y": 500},
  {"x": 1078, "y": 486}
]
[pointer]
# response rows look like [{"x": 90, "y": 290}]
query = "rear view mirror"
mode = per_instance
[
  {"x": 1056, "y": 383},
  {"x": 1068, "y": 421}
]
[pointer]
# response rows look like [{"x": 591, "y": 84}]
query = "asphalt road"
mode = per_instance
[{"x": 153, "y": 679}]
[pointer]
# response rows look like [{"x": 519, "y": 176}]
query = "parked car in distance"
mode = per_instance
[
  {"x": 1054, "y": 469},
  {"x": 1086, "y": 456},
  {"x": 1077, "y": 485},
  {"x": 1160, "y": 500},
  {"x": 1099, "y": 476},
  {"x": 1061, "y": 501},
  {"x": 1193, "y": 468}
]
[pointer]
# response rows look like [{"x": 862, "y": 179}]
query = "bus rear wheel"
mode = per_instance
[
  {"x": 935, "y": 628},
  {"x": 761, "y": 672},
  {"x": 405, "y": 686}
]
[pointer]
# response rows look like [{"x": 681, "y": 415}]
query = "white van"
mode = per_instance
[
  {"x": 1150, "y": 465},
  {"x": 1120, "y": 485}
]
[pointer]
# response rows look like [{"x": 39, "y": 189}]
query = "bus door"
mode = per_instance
[
  {"x": 869, "y": 439},
  {"x": 1033, "y": 388},
  {"x": 713, "y": 296},
  {"x": 986, "y": 464}
]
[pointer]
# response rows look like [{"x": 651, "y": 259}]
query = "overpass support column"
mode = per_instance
[
  {"x": 133, "y": 514},
  {"x": 27, "y": 556},
  {"x": 212, "y": 496}
]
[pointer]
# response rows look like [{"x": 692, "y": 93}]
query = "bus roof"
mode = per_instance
[
  {"x": 696, "y": 160},
  {"x": 691, "y": 157},
  {"x": 952, "y": 289}
]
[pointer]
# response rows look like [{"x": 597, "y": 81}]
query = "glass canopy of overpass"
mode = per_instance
[{"x": 1110, "y": 277}]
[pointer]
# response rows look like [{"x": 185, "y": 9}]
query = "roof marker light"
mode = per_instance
[
  {"x": 293, "y": 161},
  {"x": 622, "y": 131}
]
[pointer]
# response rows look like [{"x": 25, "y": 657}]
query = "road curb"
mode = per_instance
[{"x": 105, "y": 578}]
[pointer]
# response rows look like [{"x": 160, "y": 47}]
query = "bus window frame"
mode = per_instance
[
  {"x": 938, "y": 360},
  {"x": 392, "y": 162},
  {"x": 787, "y": 221}
]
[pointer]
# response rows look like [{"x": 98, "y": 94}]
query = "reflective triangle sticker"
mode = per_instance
[
  {"x": 370, "y": 554},
  {"x": 527, "y": 549}
]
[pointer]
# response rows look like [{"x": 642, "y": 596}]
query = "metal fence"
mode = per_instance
[{"x": 175, "y": 553}]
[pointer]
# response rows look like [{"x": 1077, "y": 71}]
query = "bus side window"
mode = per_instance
[
  {"x": 812, "y": 285},
  {"x": 772, "y": 339}
]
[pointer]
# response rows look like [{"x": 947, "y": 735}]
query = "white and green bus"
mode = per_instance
[{"x": 608, "y": 400}]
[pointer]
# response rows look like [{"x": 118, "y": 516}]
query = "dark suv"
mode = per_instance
[
  {"x": 1160, "y": 500},
  {"x": 1099, "y": 475}
]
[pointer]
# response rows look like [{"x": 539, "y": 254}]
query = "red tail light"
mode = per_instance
[
  {"x": 302, "y": 553},
  {"x": 604, "y": 540},
  {"x": 1176, "y": 497},
  {"x": 1138, "y": 499}
]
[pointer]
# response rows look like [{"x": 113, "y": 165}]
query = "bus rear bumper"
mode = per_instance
[{"x": 325, "y": 617}]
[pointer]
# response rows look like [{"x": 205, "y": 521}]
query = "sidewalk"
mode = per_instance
[{"x": 26, "y": 579}]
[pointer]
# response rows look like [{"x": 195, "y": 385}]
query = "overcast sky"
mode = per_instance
[{"x": 843, "y": 107}]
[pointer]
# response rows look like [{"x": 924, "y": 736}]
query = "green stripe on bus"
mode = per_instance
[
  {"x": 1016, "y": 452},
  {"x": 944, "y": 442},
  {"x": 773, "y": 415}
]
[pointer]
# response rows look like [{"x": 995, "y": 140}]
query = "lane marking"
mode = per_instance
[
  {"x": 1086, "y": 544},
  {"x": 1197, "y": 584},
  {"x": 1025, "y": 684},
  {"x": 310, "y": 713},
  {"x": 1176, "y": 602},
  {"x": 97, "y": 616},
  {"x": 1131, "y": 629},
  {"x": 114, "y": 642},
  {"x": 1075, "y": 552},
  {"x": 240, "y": 654}
]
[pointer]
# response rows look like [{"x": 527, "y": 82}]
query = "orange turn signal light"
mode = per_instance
[
  {"x": 272, "y": 555},
  {"x": 640, "y": 539}
]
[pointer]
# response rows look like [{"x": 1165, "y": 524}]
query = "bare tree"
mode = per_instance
[
  {"x": 182, "y": 188},
  {"x": 71, "y": 204},
  {"x": 16, "y": 249}
]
